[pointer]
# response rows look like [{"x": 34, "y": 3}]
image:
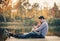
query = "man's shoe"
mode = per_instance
[{"x": 10, "y": 34}]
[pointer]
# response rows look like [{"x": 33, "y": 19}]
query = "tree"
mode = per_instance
[
  {"x": 4, "y": 8},
  {"x": 55, "y": 9},
  {"x": 22, "y": 11},
  {"x": 0, "y": 1},
  {"x": 35, "y": 6},
  {"x": 26, "y": 5}
]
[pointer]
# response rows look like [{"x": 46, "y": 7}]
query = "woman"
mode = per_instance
[{"x": 35, "y": 27}]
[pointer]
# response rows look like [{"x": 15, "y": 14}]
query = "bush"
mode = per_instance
[
  {"x": 54, "y": 22},
  {"x": 1, "y": 18},
  {"x": 27, "y": 29},
  {"x": 17, "y": 31},
  {"x": 30, "y": 22},
  {"x": 56, "y": 30},
  {"x": 55, "y": 26}
]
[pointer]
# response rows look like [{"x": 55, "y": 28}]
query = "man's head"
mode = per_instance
[{"x": 41, "y": 18}]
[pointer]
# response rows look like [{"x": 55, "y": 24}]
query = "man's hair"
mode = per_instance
[{"x": 41, "y": 17}]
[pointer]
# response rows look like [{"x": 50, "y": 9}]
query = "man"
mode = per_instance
[{"x": 39, "y": 32}]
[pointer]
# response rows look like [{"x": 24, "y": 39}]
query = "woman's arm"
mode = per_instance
[{"x": 35, "y": 27}]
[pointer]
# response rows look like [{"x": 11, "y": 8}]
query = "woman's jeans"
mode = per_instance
[{"x": 29, "y": 35}]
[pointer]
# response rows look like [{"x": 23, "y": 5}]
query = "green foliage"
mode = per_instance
[
  {"x": 18, "y": 30},
  {"x": 55, "y": 26},
  {"x": 1, "y": 17},
  {"x": 27, "y": 29},
  {"x": 56, "y": 30},
  {"x": 54, "y": 22},
  {"x": 30, "y": 22}
]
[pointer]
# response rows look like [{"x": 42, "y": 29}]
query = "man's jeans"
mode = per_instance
[{"x": 29, "y": 35}]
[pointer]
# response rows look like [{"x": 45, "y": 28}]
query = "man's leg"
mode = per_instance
[
  {"x": 41, "y": 36},
  {"x": 31, "y": 34}
]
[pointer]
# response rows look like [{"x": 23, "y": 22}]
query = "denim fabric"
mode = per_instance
[{"x": 29, "y": 35}]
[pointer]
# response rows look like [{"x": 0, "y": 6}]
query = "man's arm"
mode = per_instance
[{"x": 41, "y": 27}]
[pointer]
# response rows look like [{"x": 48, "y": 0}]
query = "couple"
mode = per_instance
[{"x": 38, "y": 31}]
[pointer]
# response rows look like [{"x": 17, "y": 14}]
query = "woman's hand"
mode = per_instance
[{"x": 35, "y": 27}]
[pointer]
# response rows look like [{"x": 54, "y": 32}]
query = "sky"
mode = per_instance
[{"x": 43, "y": 3}]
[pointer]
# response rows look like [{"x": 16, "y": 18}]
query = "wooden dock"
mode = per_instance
[{"x": 48, "y": 38}]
